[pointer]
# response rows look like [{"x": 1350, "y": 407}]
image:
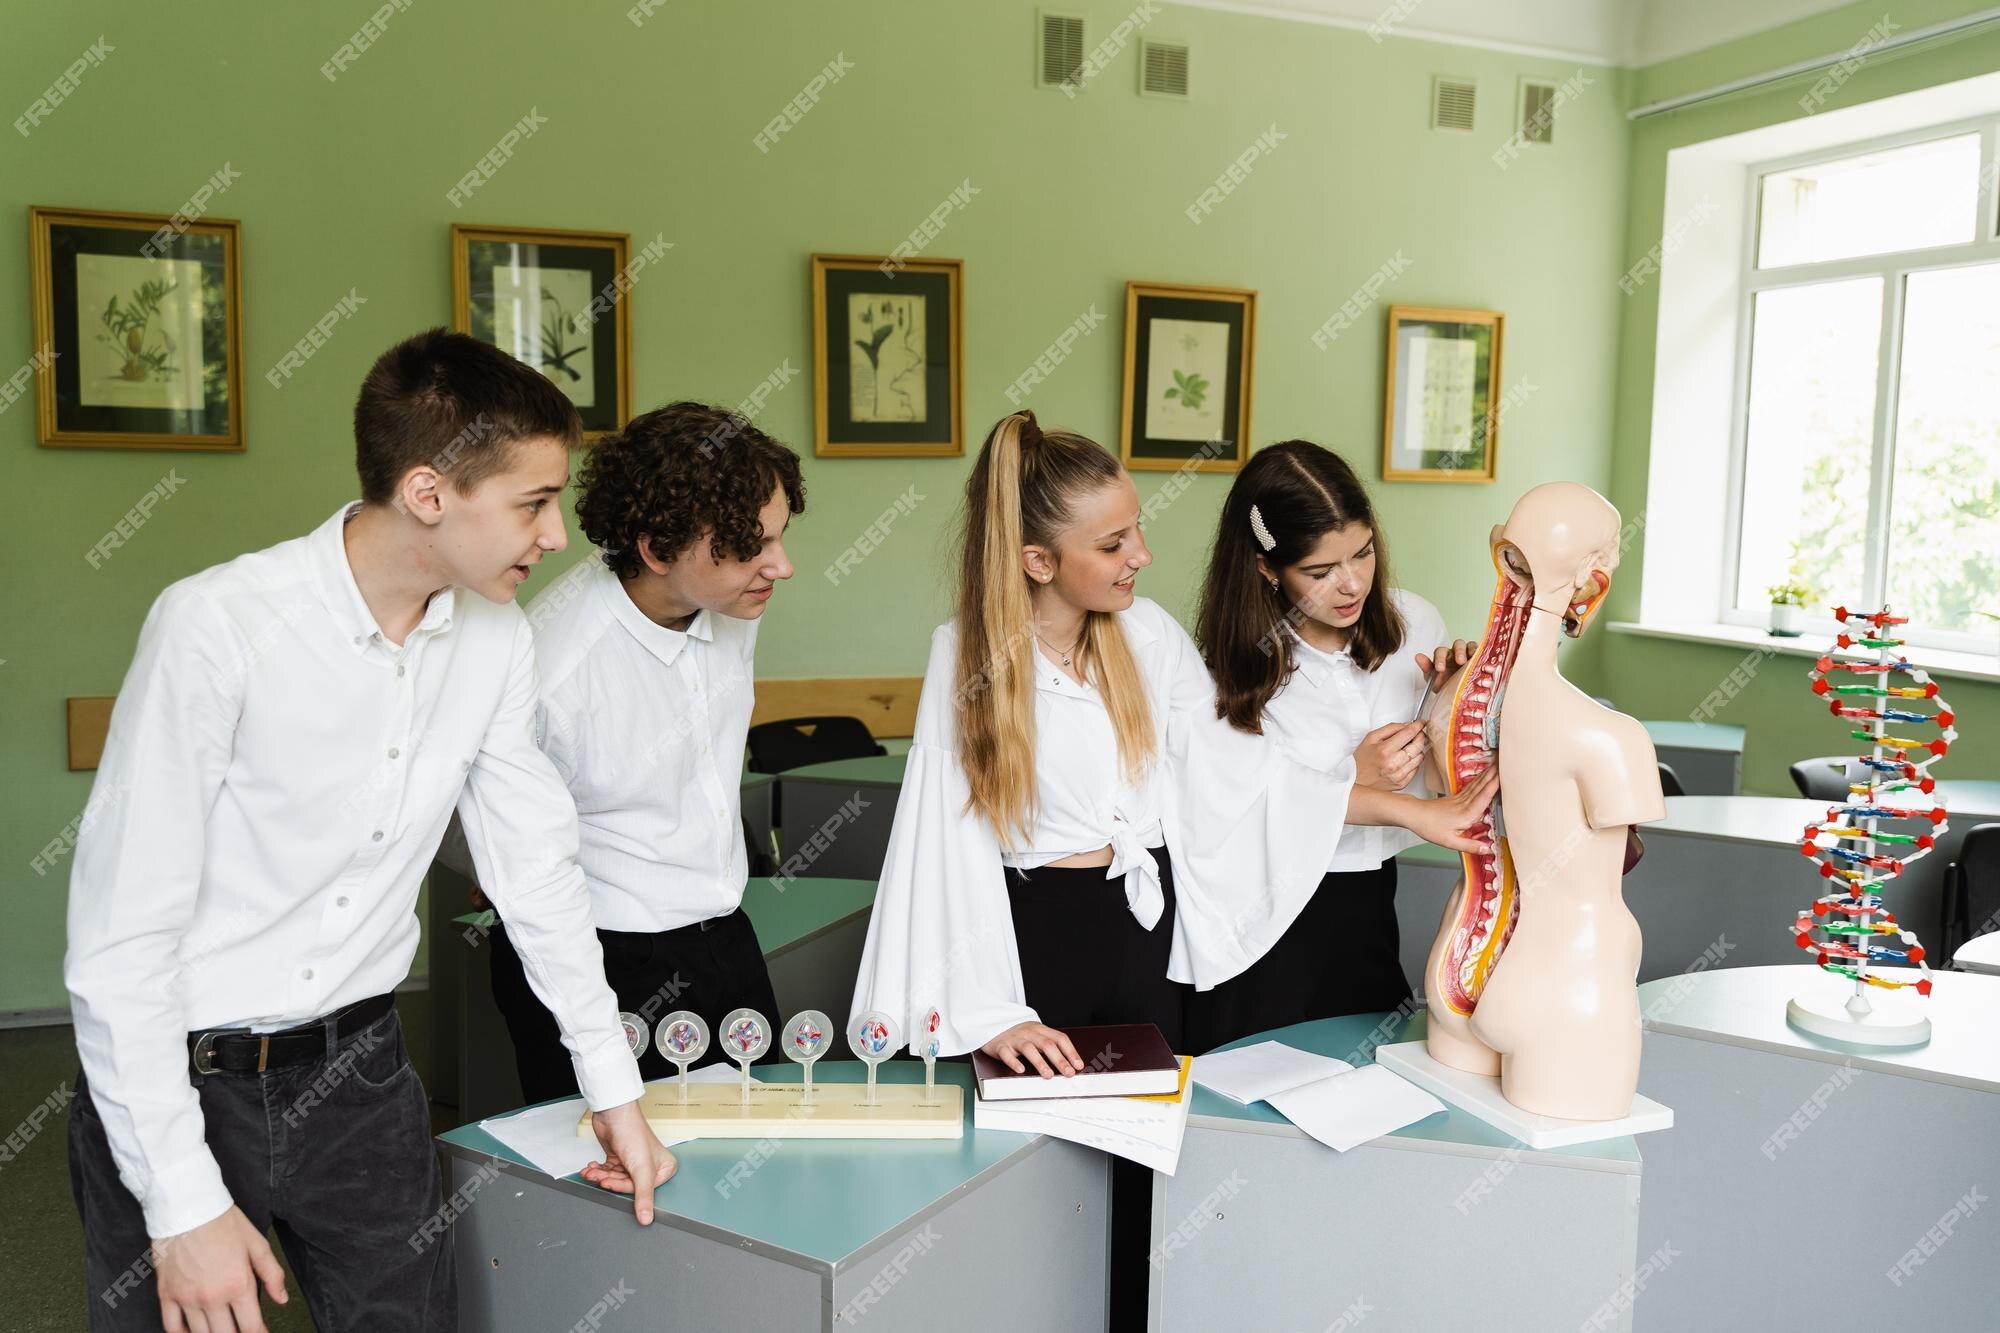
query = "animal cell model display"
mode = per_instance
[{"x": 1533, "y": 972}]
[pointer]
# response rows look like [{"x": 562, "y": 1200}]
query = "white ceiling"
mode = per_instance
[{"x": 1608, "y": 32}]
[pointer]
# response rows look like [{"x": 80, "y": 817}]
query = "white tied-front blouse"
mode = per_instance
[
  {"x": 1249, "y": 827},
  {"x": 1329, "y": 705}
]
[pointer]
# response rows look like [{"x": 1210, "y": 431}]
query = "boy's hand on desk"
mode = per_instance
[
  {"x": 1044, "y": 1047},
  {"x": 633, "y": 1156}
]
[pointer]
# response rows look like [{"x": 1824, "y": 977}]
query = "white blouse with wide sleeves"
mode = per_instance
[{"x": 1250, "y": 831}]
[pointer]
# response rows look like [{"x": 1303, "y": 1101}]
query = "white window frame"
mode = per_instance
[{"x": 1894, "y": 269}]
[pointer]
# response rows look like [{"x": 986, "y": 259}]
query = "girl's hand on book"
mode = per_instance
[{"x": 1044, "y": 1047}]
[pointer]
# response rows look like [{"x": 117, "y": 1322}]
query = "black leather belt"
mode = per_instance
[{"x": 237, "y": 1051}]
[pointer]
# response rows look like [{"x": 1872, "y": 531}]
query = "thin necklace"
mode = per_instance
[{"x": 1059, "y": 652}]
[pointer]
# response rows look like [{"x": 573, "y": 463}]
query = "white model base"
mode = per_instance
[
  {"x": 1479, "y": 1095},
  {"x": 779, "y": 1111},
  {"x": 1892, "y": 1018}
]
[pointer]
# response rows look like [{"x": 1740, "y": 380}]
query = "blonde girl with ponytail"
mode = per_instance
[
  {"x": 1026, "y": 883},
  {"x": 1066, "y": 736}
]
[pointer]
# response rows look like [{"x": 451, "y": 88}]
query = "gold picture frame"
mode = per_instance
[
  {"x": 886, "y": 308},
  {"x": 1169, "y": 421},
  {"x": 579, "y": 277},
  {"x": 163, "y": 366},
  {"x": 1441, "y": 403}
]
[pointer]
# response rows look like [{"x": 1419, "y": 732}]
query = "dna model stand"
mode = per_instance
[{"x": 1860, "y": 849}]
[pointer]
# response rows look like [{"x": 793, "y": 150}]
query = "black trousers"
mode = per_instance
[
  {"x": 1086, "y": 960},
  {"x": 709, "y": 971},
  {"x": 1341, "y": 956},
  {"x": 335, "y": 1155}
]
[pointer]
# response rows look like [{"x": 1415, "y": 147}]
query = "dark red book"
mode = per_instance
[{"x": 1119, "y": 1060}]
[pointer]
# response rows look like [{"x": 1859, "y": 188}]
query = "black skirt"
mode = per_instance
[
  {"x": 1341, "y": 956},
  {"x": 1085, "y": 959}
]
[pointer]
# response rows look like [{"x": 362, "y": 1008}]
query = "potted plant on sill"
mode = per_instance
[{"x": 1788, "y": 605}]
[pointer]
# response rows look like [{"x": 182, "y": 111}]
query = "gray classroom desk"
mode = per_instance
[
  {"x": 811, "y": 932},
  {"x": 995, "y": 1231},
  {"x": 1801, "y": 1173},
  {"x": 1731, "y": 866},
  {"x": 1706, "y": 756},
  {"x": 757, "y": 789},
  {"x": 1261, "y": 1227},
  {"x": 1720, "y": 883},
  {"x": 1981, "y": 953},
  {"x": 851, "y": 839}
]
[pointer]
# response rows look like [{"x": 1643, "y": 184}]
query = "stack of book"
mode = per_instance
[{"x": 1131, "y": 1098}]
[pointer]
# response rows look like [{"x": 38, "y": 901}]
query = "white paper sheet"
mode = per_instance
[
  {"x": 547, "y": 1137},
  {"x": 1142, "y": 1130},
  {"x": 1254, "y": 1073},
  {"x": 1353, "y": 1108}
]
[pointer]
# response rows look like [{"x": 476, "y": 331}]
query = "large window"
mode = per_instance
[{"x": 1868, "y": 440}]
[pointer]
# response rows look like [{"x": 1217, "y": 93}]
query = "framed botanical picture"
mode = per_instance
[
  {"x": 1188, "y": 358},
  {"x": 1442, "y": 406},
  {"x": 554, "y": 300},
  {"x": 138, "y": 330},
  {"x": 888, "y": 373}
]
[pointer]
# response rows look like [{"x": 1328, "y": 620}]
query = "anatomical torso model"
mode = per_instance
[{"x": 1533, "y": 975}]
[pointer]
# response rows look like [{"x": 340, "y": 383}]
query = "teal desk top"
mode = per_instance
[
  {"x": 817, "y": 1200},
  {"x": 886, "y": 769},
  {"x": 1696, "y": 735},
  {"x": 752, "y": 781},
  {"x": 1353, "y": 1039},
  {"x": 789, "y": 911}
]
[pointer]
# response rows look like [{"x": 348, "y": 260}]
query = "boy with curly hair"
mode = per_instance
[{"x": 645, "y": 656}]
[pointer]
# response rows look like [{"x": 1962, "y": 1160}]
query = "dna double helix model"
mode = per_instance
[{"x": 1889, "y": 820}]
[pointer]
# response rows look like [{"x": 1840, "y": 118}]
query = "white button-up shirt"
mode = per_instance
[
  {"x": 276, "y": 779},
  {"x": 1329, "y": 705},
  {"x": 1250, "y": 833},
  {"x": 647, "y": 726}
]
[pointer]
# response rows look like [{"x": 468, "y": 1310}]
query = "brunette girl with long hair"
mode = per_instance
[{"x": 1311, "y": 645}]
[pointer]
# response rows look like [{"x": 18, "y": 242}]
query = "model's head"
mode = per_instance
[
  {"x": 473, "y": 445},
  {"x": 695, "y": 497},
  {"x": 1561, "y": 542},
  {"x": 1298, "y": 543},
  {"x": 1051, "y": 531}
]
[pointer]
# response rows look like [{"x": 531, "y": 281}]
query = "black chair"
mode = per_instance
[
  {"x": 1971, "y": 891},
  {"x": 1823, "y": 778},
  {"x": 1670, "y": 782},
  {"x": 794, "y": 742}
]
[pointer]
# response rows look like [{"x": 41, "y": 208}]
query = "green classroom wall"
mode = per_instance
[
  {"x": 1657, "y": 678},
  {"x": 649, "y": 130}
]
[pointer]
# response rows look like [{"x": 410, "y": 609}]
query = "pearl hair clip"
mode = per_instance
[{"x": 1258, "y": 530}]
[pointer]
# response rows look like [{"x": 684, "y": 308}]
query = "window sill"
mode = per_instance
[{"x": 1950, "y": 665}]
